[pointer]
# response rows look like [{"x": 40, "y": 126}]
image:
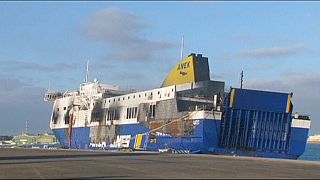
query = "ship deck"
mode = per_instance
[{"x": 39, "y": 163}]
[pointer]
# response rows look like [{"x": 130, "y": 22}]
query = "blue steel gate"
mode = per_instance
[
  {"x": 256, "y": 120},
  {"x": 255, "y": 130}
]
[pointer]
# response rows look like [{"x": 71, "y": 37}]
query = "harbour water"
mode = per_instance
[{"x": 312, "y": 153}]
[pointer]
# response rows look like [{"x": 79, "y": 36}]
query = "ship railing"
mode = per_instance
[
  {"x": 303, "y": 117},
  {"x": 52, "y": 95},
  {"x": 70, "y": 93},
  {"x": 201, "y": 107}
]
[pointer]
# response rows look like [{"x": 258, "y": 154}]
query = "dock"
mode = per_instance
[{"x": 79, "y": 164}]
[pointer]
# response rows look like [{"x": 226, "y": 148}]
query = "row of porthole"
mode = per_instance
[{"x": 114, "y": 100}]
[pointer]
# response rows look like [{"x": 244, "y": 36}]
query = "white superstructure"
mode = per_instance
[{"x": 94, "y": 103}]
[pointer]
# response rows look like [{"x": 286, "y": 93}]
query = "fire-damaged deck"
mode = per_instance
[{"x": 62, "y": 164}]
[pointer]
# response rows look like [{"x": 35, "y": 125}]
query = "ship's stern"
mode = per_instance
[{"x": 299, "y": 134}]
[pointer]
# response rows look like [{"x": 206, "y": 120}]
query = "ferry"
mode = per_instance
[{"x": 188, "y": 113}]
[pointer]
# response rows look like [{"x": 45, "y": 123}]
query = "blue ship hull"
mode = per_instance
[{"x": 205, "y": 139}]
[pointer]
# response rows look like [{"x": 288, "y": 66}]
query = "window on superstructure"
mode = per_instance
[
  {"x": 113, "y": 114},
  {"x": 108, "y": 114},
  {"x": 106, "y": 111},
  {"x": 95, "y": 116},
  {"x": 139, "y": 95},
  {"x": 57, "y": 109},
  {"x": 123, "y": 98},
  {"x": 117, "y": 114},
  {"x": 135, "y": 111},
  {"x": 54, "y": 118},
  {"x": 127, "y": 117},
  {"x": 132, "y": 112},
  {"x": 64, "y": 108},
  {"x": 152, "y": 111},
  {"x": 66, "y": 119},
  {"x": 130, "y": 115},
  {"x": 128, "y": 97},
  {"x": 134, "y": 97}
]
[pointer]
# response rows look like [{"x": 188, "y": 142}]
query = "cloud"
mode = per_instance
[
  {"x": 125, "y": 33},
  {"x": 271, "y": 52},
  {"x": 243, "y": 37},
  {"x": 302, "y": 82},
  {"x": 21, "y": 104},
  {"x": 9, "y": 84},
  {"x": 114, "y": 25},
  {"x": 139, "y": 51},
  {"x": 305, "y": 88},
  {"x": 97, "y": 66},
  {"x": 19, "y": 65}
]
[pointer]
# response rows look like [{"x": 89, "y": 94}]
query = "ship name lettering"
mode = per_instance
[{"x": 184, "y": 65}]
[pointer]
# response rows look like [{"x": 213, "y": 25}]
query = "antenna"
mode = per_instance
[
  {"x": 241, "y": 79},
  {"x": 87, "y": 72},
  {"x": 26, "y": 131},
  {"x": 181, "y": 51}
]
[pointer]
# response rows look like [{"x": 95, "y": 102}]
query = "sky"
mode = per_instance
[{"x": 46, "y": 45}]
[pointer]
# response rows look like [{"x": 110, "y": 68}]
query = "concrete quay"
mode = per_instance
[{"x": 76, "y": 164}]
